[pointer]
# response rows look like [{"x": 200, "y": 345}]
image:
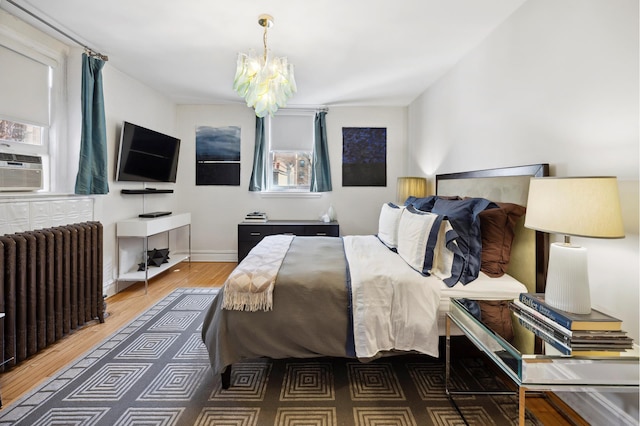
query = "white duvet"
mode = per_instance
[{"x": 394, "y": 306}]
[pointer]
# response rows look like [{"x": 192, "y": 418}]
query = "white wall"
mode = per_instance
[
  {"x": 557, "y": 83},
  {"x": 216, "y": 210},
  {"x": 127, "y": 99}
]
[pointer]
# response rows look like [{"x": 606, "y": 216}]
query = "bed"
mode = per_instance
[{"x": 360, "y": 297}]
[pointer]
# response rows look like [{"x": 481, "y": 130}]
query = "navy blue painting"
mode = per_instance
[
  {"x": 364, "y": 156},
  {"x": 218, "y": 143},
  {"x": 218, "y": 155}
]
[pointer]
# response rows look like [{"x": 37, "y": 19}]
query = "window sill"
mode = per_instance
[
  {"x": 278, "y": 194},
  {"x": 38, "y": 195}
]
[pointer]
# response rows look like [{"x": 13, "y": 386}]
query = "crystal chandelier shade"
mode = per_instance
[{"x": 266, "y": 83}]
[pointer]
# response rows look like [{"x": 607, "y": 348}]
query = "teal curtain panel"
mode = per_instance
[
  {"x": 259, "y": 173},
  {"x": 320, "y": 165},
  {"x": 92, "y": 168}
]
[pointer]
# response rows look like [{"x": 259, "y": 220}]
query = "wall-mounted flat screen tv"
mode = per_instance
[{"x": 146, "y": 155}]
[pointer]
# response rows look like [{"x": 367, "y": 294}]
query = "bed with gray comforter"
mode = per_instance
[
  {"x": 310, "y": 316},
  {"x": 333, "y": 296}
]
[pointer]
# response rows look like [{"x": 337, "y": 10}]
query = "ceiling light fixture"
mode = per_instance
[{"x": 265, "y": 83}]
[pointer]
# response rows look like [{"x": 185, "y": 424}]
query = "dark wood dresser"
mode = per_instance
[{"x": 250, "y": 234}]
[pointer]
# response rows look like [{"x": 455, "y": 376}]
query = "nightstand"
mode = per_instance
[
  {"x": 533, "y": 371},
  {"x": 250, "y": 233}
]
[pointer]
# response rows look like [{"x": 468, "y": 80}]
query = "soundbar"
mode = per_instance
[
  {"x": 147, "y": 191},
  {"x": 154, "y": 214}
]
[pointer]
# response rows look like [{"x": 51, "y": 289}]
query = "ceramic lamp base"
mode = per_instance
[{"x": 568, "y": 279}]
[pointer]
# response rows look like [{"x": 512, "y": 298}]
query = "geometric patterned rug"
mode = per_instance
[{"x": 155, "y": 371}]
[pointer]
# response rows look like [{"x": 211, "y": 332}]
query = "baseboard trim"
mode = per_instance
[
  {"x": 214, "y": 255},
  {"x": 109, "y": 288}
]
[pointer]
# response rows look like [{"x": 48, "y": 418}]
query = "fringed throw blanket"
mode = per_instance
[{"x": 250, "y": 285}]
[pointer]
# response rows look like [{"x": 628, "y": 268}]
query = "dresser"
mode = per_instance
[{"x": 250, "y": 234}]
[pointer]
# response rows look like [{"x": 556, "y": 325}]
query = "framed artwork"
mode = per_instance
[
  {"x": 218, "y": 155},
  {"x": 364, "y": 156}
]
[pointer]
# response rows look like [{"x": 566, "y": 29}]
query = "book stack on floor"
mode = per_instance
[
  {"x": 593, "y": 334},
  {"x": 258, "y": 217}
]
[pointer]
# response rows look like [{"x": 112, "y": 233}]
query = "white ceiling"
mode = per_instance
[{"x": 345, "y": 52}]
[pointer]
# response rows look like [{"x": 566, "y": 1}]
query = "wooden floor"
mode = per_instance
[{"x": 127, "y": 305}]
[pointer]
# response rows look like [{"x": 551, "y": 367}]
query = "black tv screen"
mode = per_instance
[{"x": 146, "y": 155}]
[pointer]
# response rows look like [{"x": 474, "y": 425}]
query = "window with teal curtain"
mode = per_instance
[
  {"x": 321, "y": 169},
  {"x": 275, "y": 147},
  {"x": 92, "y": 168},
  {"x": 258, "y": 173}
]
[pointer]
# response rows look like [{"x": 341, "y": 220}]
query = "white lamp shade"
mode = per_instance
[
  {"x": 410, "y": 186},
  {"x": 584, "y": 207}
]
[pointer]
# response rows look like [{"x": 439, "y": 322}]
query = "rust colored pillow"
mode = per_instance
[{"x": 498, "y": 229}]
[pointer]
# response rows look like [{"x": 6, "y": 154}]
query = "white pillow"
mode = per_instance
[
  {"x": 417, "y": 237},
  {"x": 388, "y": 224},
  {"x": 448, "y": 260}
]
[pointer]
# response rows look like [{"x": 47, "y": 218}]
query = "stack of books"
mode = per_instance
[
  {"x": 593, "y": 334},
  {"x": 259, "y": 217}
]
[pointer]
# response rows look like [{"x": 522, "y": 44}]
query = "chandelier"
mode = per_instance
[{"x": 265, "y": 83}]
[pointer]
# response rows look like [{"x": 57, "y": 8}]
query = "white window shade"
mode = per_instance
[
  {"x": 291, "y": 132},
  {"x": 24, "y": 88}
]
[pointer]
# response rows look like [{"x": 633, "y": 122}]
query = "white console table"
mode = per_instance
[{"x": 143, "y": 228}]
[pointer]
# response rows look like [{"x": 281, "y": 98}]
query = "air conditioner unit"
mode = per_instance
[{"x": 20, "y": 172}]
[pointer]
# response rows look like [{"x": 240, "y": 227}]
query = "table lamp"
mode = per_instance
[
  {"x": 573, "y": 206},
  {"x": 408, "y": 186}
]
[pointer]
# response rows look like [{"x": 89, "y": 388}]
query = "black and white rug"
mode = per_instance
[{"x": 155, "y": 371}]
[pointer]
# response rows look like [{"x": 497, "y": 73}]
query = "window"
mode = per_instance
[
  {"x": 291, "y": 170},
  {"x": 25, "y": 89},
  {"x": 12, "y": 131},
  {"x": 290, "y": 144}
]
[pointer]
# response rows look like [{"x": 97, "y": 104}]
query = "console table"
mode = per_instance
[
  {"x": 251, "y": 233},
  {"x": 140, "y": 228}
]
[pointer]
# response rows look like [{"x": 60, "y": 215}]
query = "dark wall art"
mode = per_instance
[
  {"x": 218, "y": 155},
  {"x": 364, "y": 156}
]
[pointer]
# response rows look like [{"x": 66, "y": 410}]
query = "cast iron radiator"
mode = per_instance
[{"x": 50, "y": 285}]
